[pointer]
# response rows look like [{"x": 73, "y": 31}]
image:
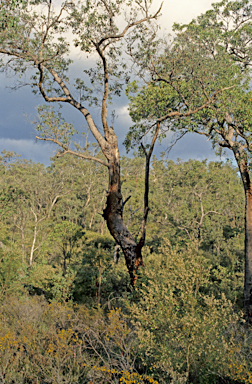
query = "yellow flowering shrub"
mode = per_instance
[
  {"x": 240, "y": 357},
  {"x": 38, "y": 343},
  {"x": 126, "y": 376},
  {"x": 58, "y": 343}
]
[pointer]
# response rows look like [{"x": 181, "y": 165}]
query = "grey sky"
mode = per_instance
[{"x": 18, "y": 108}]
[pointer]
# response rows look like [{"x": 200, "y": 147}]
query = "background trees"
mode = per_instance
[
  {"x": 212, "y": 51},
  {"x": 71, "y": 240}
]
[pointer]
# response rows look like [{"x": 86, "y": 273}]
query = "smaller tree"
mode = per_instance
[{"x": 65, "y": 238}]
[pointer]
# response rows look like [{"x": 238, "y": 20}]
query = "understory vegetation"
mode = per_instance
[{"x": 68, "y": 312}]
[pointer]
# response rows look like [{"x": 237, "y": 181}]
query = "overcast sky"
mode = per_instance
[{"x": 18, "y": 108}]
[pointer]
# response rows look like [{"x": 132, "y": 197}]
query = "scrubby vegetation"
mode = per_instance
[
  {"x": 68, "y": 312},
  {"x": 180, "y": 310}
]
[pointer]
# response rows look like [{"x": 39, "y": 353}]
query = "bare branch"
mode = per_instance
[
  {"x": 42, "y": 91},
  {"x": 70, "y": 99},
  {"x": 207, "y": 213},
  {"x": 67, "y": 150},
  {"x": 175, "y": 142},
  {"x": 122, "y": 34},
  {"x": 106, "y": 90},
  {"x": 186, "y": 230}
]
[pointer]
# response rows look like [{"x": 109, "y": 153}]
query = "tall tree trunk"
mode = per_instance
[
  {"x": 248, "y": 254},
  {"x": 113, "y": 213},
  {"x": 33, "y": 244},
  {"x": 248, "y": 238}
]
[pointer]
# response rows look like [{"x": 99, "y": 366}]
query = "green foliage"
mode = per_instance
[
  {"x": 186, "y": 79},
  {"x": 204, "y": 70},
  {"x": 191, "y": 202},
  {"x": 97, "y": 277},
  {"x": 66, "y": 240},
  {"x": 12, "y": 272},
  {"x": 43, "y": 26},
  {"x": 7, "y": 13},
  {"x": 53, "y": 239},
  {"x": 194, "y": 205},
  {"x": 62, "y": 286},
  {"x": 52, "y": 125},
  {"x": 186, "y": 334}
]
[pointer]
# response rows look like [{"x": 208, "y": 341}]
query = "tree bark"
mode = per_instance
[
  {"x": 239, "y": 151},
  {"x": 248, "y": 255},
  {"x": 113, "y": 213},
  {"x": 33, "y": 244},
  {"x": 248, "y": 239}
]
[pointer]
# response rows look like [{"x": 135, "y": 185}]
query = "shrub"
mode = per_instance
[
  {"x": 55, "y": 343},
  {"x": 185, "y": 334}
]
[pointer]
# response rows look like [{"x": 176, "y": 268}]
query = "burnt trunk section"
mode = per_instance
[
  {"x": 113, "y": 213},
  {"x": 248, "y": 239},
  {"x": 139, "y": 260}
]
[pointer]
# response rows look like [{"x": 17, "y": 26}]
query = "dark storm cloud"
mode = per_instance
[
  {"x": 17, "y": 133},
  {"x": 29, "y": 149},
  {"x": 191, "y": 146},
  {"x": 14, "y": 105}
]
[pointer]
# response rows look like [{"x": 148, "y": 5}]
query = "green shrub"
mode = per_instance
[
  {"x": 12, "y": 272},
  {"x": 186, "y": 335}
]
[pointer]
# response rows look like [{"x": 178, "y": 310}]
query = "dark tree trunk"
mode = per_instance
[
  {"x": 248, "y": 254},
  {"x": 113, "y": 213},
  {"x": 248, "y": 239}
]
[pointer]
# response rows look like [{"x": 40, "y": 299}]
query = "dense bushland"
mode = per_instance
[{"x": 68, "y": 311}]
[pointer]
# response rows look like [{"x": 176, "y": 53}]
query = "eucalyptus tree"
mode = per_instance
[
  {"x": 216, "y": 48},
  {"x": 38, "y": 40},
  {"x": 7, "y": 19},
  {"x": 228, "y": 123},
  {"x": 103, "y": 28}
]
